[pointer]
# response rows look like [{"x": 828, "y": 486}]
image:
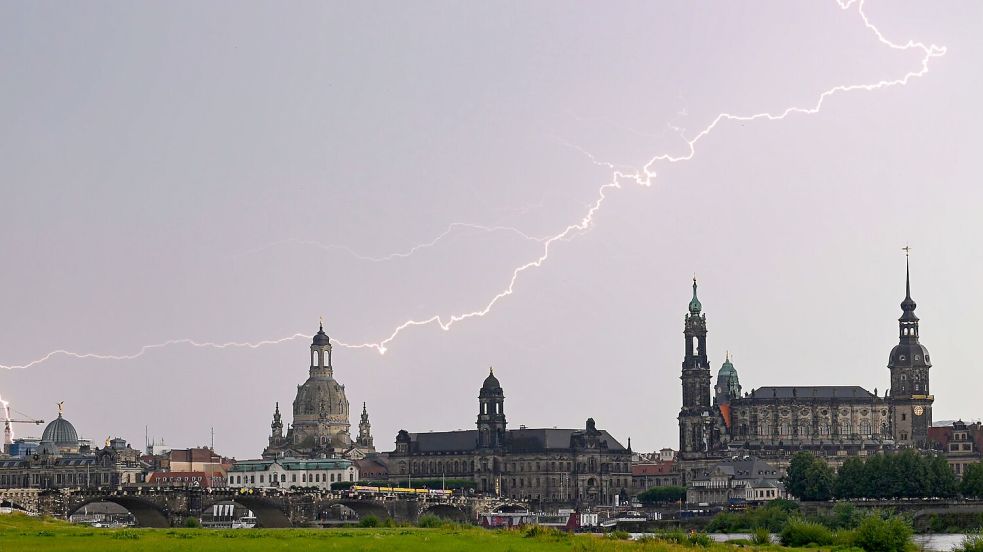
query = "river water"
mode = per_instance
[{"x": 932, "y": 542}]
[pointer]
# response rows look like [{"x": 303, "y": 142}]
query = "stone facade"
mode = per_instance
[
  {"x": 585, "y": 466},
  {"x": 737, "y": 481},
  {"x": 321, "y": 427},
  {"x": 777, "y": 421}
]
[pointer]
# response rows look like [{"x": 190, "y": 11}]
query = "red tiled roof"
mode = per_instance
[{"x": 662, "y": 468}]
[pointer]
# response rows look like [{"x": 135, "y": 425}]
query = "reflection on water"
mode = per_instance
[{"x": 933, "y": 542}]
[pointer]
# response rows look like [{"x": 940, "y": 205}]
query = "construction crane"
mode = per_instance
[{"x": 35, "y": 422}]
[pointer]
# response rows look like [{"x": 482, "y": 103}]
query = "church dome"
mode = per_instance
[
  {"x": 727, "y": 370},
  {"x": 321, "y": 338},
  {"x": 491, "y": 382},
  {"x": 60, "y": 432},
  {"x": 909, "y": 354},
  {"x": 320, "y": 396},
  {"x": 694, "y": 305}
]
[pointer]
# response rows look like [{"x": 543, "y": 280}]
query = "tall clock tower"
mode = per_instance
[{"x": 911, "y": 399}]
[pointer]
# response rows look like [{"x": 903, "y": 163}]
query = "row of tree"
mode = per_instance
[{"x": 905, "y": 474}]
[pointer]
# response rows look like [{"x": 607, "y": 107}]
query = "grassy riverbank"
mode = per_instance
[{"x": 18, "y": 532}]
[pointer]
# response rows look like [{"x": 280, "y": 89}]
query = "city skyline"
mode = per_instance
[{"x": 216, "y": 183}]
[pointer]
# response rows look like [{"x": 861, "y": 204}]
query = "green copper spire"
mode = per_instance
[{"x": 694, "y": 305}]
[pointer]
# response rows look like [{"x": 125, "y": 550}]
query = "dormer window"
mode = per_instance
[
  {"x": 917, "y": 357},
  {"x": 901, "y": 357}
]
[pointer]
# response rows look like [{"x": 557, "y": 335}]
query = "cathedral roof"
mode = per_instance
[
  {"x": 811, "y": 392},
  {"x": 520, "y": 440}
]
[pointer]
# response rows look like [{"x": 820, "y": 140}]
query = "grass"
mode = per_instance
[{"x": 19, "y": 532}]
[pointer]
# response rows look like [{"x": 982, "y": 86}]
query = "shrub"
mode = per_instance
[
  {"x": 876, "y": 534},
  {"x": 798, "y": 532},
  {"x": 192, "y": 522},
  {"x": 972, "y": 543},
  {"x": 429, "y": 521},
  {"x": 368, "y": 521},
  {"x": 126, "y": 535},
  {"x": 761, "y": 535},
  {"x": 618, "y": 535},
  {"x": 540, "y": 532},
  {"x": 700, "y": 539},
  {"x": 675, "y": 537}
]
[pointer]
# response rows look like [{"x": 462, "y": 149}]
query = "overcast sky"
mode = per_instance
[{"x": 227, "y": 171}]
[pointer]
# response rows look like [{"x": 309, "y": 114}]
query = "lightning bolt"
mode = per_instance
[{"x": 644, "y": 176}]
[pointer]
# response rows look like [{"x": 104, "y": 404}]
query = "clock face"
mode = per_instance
[{"x": 919, "y": 410}]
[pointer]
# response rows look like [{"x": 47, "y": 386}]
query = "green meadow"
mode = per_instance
[{"x": 19, "y": 532}]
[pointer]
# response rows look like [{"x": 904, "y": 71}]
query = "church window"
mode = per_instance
[
  {"x": 293, "y": 478},
  {"x": 283, "y": 478},
  {"x": 260, "y": 478},
  {"x": 317, "y": 478},
  {"x": 904, "y": 416}
]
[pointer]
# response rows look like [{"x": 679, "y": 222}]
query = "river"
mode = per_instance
[{"x": 931, "y": 542}]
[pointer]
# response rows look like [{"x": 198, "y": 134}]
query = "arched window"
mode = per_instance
[{"x": 865, "y": 428}]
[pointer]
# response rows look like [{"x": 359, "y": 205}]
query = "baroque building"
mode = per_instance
[
  {"x": 320, "y": 427},
  {"x": 62, "y": 460},
  {"x": 776, "y": 421},
  {"x": 583, "y": 466}
]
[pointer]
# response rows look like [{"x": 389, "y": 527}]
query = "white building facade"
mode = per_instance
[{"x": 318, "y": 473}]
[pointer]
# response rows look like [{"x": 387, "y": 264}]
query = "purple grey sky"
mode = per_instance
[{"x": 167, "y": 170}]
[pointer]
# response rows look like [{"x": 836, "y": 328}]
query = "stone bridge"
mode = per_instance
[{"x": 163, "y": 507}]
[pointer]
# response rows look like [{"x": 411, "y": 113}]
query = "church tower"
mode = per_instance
[
  {"x": 365, "y": 430},
  {"x": 276, "y": 433},
  {"x": 491, "y": 413},
  {"x": 909, "y": 364},
  {"x": 321, "y": 355},
  {"x": 695, "y": 415}
]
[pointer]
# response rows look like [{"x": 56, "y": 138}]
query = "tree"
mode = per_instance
[
  {"x": 662, "y": 494},
  {"x": 795, "y": 476},
  {"x": 850, "y": 479},
  {"x": 943, "y": 481},
  {"x": 972, "y": 483},
  {"x": 819, "y": 480}
]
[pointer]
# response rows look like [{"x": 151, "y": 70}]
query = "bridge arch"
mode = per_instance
[
  {"x": 12, "y": 504},
  {"x": 446, "y": 511},
  {"x": 147, "y": 513},
  {"x": 268, "y": 513},
  {"x": 364, "y": 508}
]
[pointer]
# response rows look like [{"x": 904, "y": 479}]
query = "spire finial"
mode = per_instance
[
  {"x": 694, "y": 305},
  {"x": 907, "y": 271},
  {"x": 61, "y": 408},
  {"x": 321, "y": 325},
  {"x": 363, "y": 407},
  {"x": 491, "y": 371},
  {"x": 728, "y": 355}
]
